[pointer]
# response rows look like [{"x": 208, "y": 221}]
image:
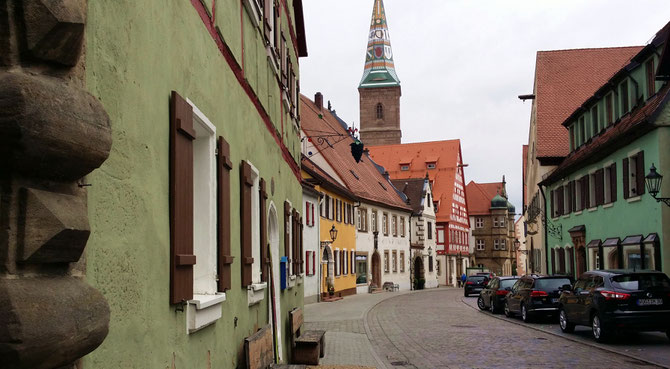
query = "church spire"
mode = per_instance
[{"x": 379, "y": 68}]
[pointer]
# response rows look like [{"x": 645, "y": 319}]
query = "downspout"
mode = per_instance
[
  {"x": 411, "y": 261},
  {"x": 546, "y": 235}
]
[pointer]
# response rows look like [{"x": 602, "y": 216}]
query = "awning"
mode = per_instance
[
  {"x": 610, "y": 242},
  {"x": 594, "y": 243},
  {"x": 632, "y": 240},
  {"x": 652, "y": 238},
  {"x": 579, "y": 228}
]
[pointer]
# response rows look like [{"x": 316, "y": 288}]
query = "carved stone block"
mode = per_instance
[
  {"x": 47, "y": 323},
  {"x": 50, "y": 129},
  {"x": 53, "y": 227},
  {"x": 55, "y": 29}
]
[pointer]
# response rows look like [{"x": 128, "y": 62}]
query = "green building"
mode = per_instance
[
  {"x": 200, "y": 197},
  {"x": 600, "y": 215}
]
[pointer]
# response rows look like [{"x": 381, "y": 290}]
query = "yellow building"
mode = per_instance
[{"x": 337, "y": 235}]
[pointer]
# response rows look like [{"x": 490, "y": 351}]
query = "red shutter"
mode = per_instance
[
  {"x": 600, "y": 187},
  {"x": 313, "y": 220},
  {"x": 300, "y": 246},
  {"x": 294, "y": 242},
  {"x": 265, "y": 259},
  {"x": 613, "y": 182},
  {"x": 182, "y": 258},
  {"x": 224, "y": 255},
  {"x": 308, "y": 259},
  {"x": 639, "y": 177},
  {"x": 245, "y": 212},
  {"x": 287, "y": 232},
  {"x": 626, "y": 179}
]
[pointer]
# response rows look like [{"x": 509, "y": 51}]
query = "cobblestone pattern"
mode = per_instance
[
  {"x": 435, "y": 330},
  {"x": 345, "y": 348},
  {"x": 351, "y": 326}
]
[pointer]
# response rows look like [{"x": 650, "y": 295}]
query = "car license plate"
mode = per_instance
[
  {"x": 647, "y": 302},
  {"x": 553, "y": 301}
]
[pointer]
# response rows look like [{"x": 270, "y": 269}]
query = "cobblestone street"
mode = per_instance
[{"x": 441, "y": 329}]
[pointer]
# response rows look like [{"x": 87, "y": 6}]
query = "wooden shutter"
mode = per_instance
[
  {"x": 307, "y": 212},
  {"x": 313, "y": 220},
  {"x": 582, "y": 187},
  {"x": 600, "y": 187},
  {"x": 561, "y": 203},
  {"x": 268, "y": 14},
  {"x": 587, "y": 191},
  {"x": 224, "y": 255},
  {"x": 301, "y": 240},
  {"x": 639, "y": 176},
  {"x": 553, "y": 261},
  {"x": 182, "y": 257},
  {"x": 613, "y": 187},
  {"x": 327, "y": 207},
  {"x": 553, "y": 212},
  {"x": 294, "y": 242},
  {"x": 277, "y": 29},
  {"x": 626, "y": 178},
  {"x": 287, "y": 231},
  {"x": 245, "y": 226},
  {"x": 265, "y": 259},
  {"x": 573, "y": 195}
]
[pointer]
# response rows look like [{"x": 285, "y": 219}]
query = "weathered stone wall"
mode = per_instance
[{"x": 386, "y": 131}]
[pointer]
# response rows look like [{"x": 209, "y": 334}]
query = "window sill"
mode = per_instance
[
  {"x": 593, "y": 209},
  {"x": 203, "y": 311},
  {"x": 634, "y": 199},
  {"x": 301, "y": 277},
  {"x": 256, "y": 293},
  {"x": 578, "y": 213},
  {"x": 291, "y": 281},
  {"x": 565, "y": 216},
  {"x": 607, "y": 206}
]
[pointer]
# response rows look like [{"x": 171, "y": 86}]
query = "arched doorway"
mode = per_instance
[
  {"x": 419, "y": 279},
  {"x": 273, "y": 236},
  {"x": 376, "y": 270},
  {"x": 327, "y": 268}
]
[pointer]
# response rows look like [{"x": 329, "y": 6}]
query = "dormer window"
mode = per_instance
[
  {"x": 430, "y": 165},
  {"x": 624, "y": 97},
  {"x": 404, "y": 167},
  {"x": 380, "y": 111},
  {"x": 651, "y": 79}
]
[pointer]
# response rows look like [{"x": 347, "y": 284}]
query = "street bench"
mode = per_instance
[
  {"x": 306, "y": 347},
  {"x": 390, "y": 286}
]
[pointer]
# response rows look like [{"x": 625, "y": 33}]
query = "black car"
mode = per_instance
[
  {"x": 534, "y": 295},
  {"x": 474, "y": 284},
  {"x": 621, "y": 300},
  {"x": 493, "y": 296}
]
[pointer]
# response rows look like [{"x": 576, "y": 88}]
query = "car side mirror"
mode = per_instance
[{"x": 566, "y": 287}]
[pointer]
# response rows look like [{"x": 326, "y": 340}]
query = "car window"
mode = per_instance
[
  {"x": 598, "y": 281},
  {"x": 581, "y": 282},
  {"x": 634, "y": 282},
  {"x": 506, "y": 283},
  {"x": 516, "y": 285},
  {"x": 551, "y": 284},
  {"x": 477, "y": 278},
  {"x": 590, "y": 283},
  {"x": 494, "y": 283}
]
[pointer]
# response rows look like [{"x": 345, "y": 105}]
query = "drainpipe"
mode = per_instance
[
  {"x": 546, "y": 235},
  {"x": 409, "y": 254}
]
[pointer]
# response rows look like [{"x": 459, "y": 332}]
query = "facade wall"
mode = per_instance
[
  {"x": 311, "y": 243},
  {"x": 344, "y": 283},
  {"x": 495, "y": 259},
  {"x": 385, "y": 131},
  {"x": 521, "y": 253},
  {"x": 535, "y": 240},
  {"x": 165, "y": 47}
]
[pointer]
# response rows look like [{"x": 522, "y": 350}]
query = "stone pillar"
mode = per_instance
[{"x": 52, "y": 134}]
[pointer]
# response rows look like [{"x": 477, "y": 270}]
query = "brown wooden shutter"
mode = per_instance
[
  {"x": 553, "y": 261},
  {"x": 300, "y": 248},
  {"x": 626, "y": 179},
  {"x": 587, "y": 191},
  {"x": 613, "y": 182},
  {"x": 268, "y": 14},
  {"x": 600, "y": 187},
  {"x": 561, "y": 203},
  {"x": 573, "y": 195},
  {"x": 553, "y": 212},
  {"x": 294, "y": 242},
  {"x": 182, "y": 258},
  {"x": 224, "y": 256},
  {"x": 582, "y": 186},
  {"x": 265, "y": 260},
  {"x": 639, "y": 176},
  {"x": 287, "y": 231},
  {"x": 245, "y": 218}
]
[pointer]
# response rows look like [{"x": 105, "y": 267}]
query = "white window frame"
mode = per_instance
[
  {"x": 373, "y": 220},
  {"x": 503, "y": 244},
  {"x": 479, "y": 222},
  {"x": 394, "y": 225},
  {"x": 255, "y": 11},
  {"x": 496, "y": 244},
  {"x": 385, "y": 224},
  {"x": 481, "y": 245},
  {"x": 336, "y": 256},
  {"x": 255, "y": 225}
]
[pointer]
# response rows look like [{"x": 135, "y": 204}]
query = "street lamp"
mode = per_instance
[
  {"x": 333, "y": 233},
  {"x": 654, "y": 180}
]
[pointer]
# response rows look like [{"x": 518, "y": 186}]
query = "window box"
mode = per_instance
[
  {"x": 203, "y": 311},
  {"x": 256, "y": 293}
]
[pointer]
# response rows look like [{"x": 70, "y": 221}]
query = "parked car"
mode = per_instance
[
  {"x": 474, "y": 284},
  {"x": 488, "y": 275},
  {"x": 493, "y": 296},
  {"x": 534, "y": 295},
  {"x": 621, "y": 300}
]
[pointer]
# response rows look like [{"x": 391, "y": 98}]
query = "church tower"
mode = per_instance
[{"x": 379, "y": 89}]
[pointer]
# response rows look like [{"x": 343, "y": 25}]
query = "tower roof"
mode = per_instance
[{"x": 379, "y": 68}]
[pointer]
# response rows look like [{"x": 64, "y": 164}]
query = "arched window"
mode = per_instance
[{"x": 380, "y": 111}]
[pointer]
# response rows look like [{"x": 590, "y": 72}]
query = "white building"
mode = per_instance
[{"x": 310, "y": 209}]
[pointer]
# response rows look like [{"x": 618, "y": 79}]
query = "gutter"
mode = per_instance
[{"x": 546, "y": 235}]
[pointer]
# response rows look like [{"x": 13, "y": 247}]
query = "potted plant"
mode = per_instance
[{"x": 331, "y": 289}]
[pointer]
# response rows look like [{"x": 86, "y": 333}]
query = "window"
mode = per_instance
[
  {"x": 327, "y": 207},
  {"x": 402, "y": 262},
  {"x": 394, "y": 225},
  {"x": 352, "y": 261},
  {"x": 577, "y": 193},
  {"x": 480, "y": 245},
  {"x": 610, "y": 109},
  {"x": 623, "y": 93},
  {"x": 633, "y": 175},
  {"x": 309, "y": 213},
  {"x": 430, "y": 165},
  {"x": 439, "y": 267},
  {"x": 336, "y": 254},
  {"x": 402, "y": 226},
  {"x": 386, "y": 261},
  {"x": 404, "y": 167},
  {"x": 339, "y": 210},
  {"x": 430, "y": 230},
  {"x": 430, "y": 263},
  {"x": 651, "y": 79},
  {"x": 373, "y": 220},
  {"x": 573, "y": 139},
  {"x": 496, "y": 244},
  {"x": 592, "y": 190},
  {"x": 385, "y": 224},
  {"x": 479, "y": 222},
  {"x": 361, "y": 269},
  {"x": 395, "y": 261},
  {"x": 495, "y": 222},
  {"x": 582, "y": 131},
  {"x": 594, "y": 120},
  {"x": 503, "y": 244},
  {"x": 362, "y": 220},
  {"x": 428, "y": 202},
  {"x": 380, "y": 111},
  {"x": 345, "y": 261}
]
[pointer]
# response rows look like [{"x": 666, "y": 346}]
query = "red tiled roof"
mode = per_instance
[
  {"x": 625, "y": 130},
  {"x": 563, "y": 80},
  {"x": 324, "y": 178},
  {"x": 480, "y": 195},
  {"x": 446, "y": 155},
  {"x": 363, "y": 179}
]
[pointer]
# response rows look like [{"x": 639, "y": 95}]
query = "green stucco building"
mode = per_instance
[
  {"x": 200, "y": 197},
  {"x": 599, "y": 213}
]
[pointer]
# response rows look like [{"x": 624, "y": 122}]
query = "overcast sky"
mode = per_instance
[{"x": 462, "y": 64}]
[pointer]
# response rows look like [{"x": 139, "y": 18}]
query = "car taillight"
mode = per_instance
[
  {"x": 538, "y": 294},
  {"x": 611, "y": 295},
  {"x": 501, "y": 292},
  {"x": 469, "y": 283}
]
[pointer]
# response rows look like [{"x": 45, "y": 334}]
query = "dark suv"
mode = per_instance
[
  {"x": 474, "y": 284},
  {"x": 609, "y": 300},
  {"x": 534, "y": 295},
  {"x": 493, "y": 296}
]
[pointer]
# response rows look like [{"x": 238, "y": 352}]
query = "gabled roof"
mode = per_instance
[
  {"x": 415, "y": 189},
  {"x": 379, "y": 67},
  {"x": 563, "y": 80},
  {"x": 323, "y": 179},
  {"x": 480, "y": 195},
  {"x": 332, "y": 140},
  {"x": 446, "y": 155}
]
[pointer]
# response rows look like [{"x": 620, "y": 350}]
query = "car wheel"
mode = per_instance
[
  {"x": 525, "y": 315},
  {"x": 600, "y": 333},
  {"x": 508, "y": 312},
  {"x": 480, "y": 303},
  {"x": 566, "y": 326}
]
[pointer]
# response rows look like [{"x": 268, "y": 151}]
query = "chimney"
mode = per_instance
[{"x": 318, "y": 100}]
